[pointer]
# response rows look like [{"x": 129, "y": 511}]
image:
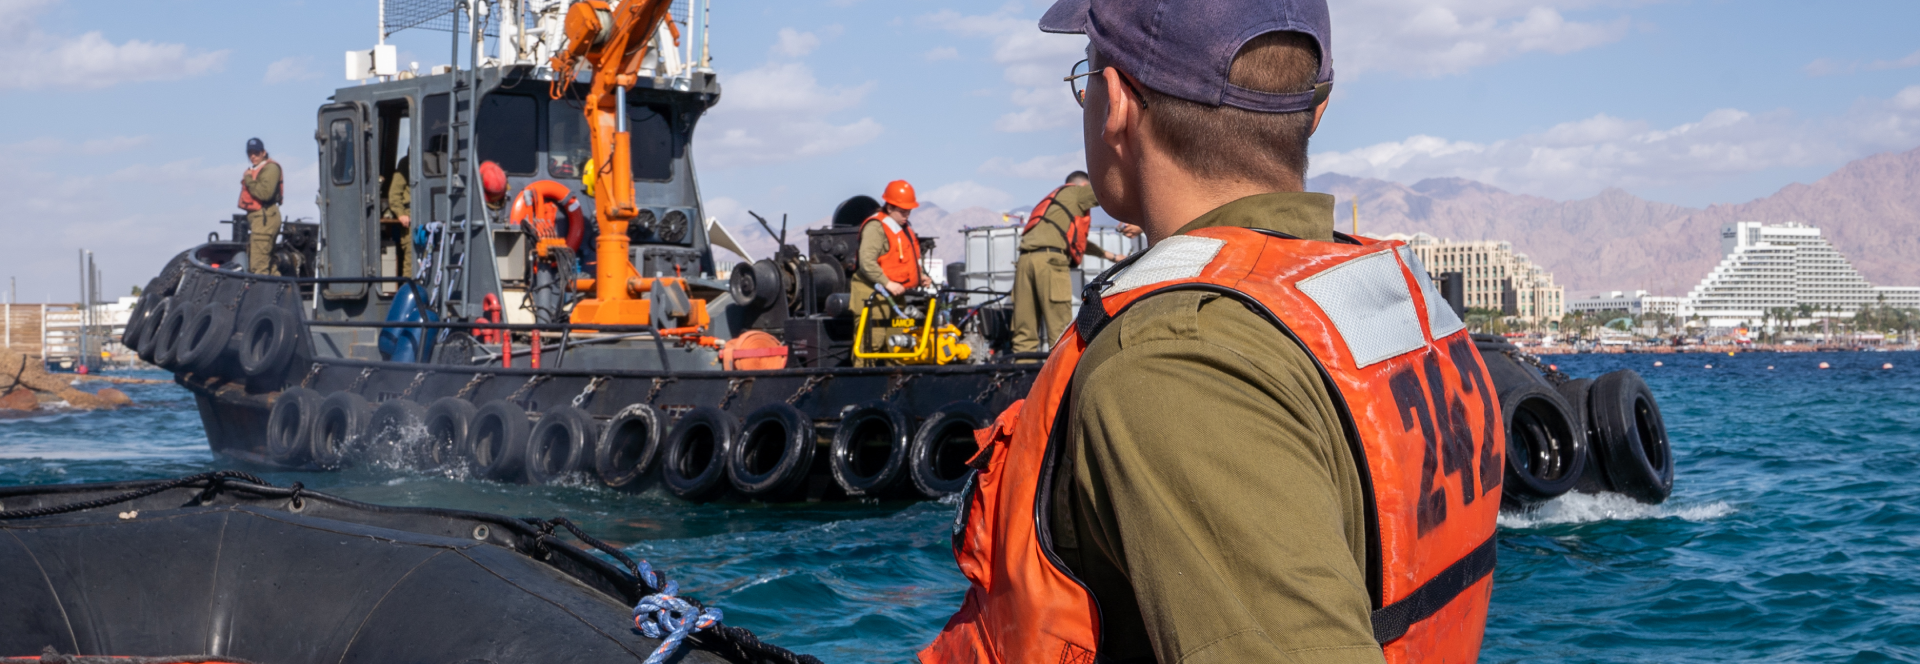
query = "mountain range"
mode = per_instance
[{"x": 1869, "y": 209}]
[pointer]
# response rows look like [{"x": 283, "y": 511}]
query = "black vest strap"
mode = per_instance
[{"x": 1392, "y": 621}]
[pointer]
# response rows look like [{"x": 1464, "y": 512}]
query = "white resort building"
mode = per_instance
[
  {"x": 1495, "y": 277},
  {"x": 1635, "y": 303},
  {"x": 1766, "y": 269}
]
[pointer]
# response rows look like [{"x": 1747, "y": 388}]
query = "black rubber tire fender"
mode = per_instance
[
  {"x": 446, "y": 425},
  {"x": 169, "y": 333},
  {"x": 137, "y": 319},
  {"x": 204, "y": 339},
  {"x": 774, "y": 454},
  {"x": 395, "y": 433},
  {"x": 1593, "y": 476},
  {"x": 149, "y": 334},
  {"x": 561, "y": 444},
  {"x": 267, "y": 340},
  {"x": 629, "y": 446},
  {"x": 497, "y": 440},
  {"x": 869, "y": 453},
  {"x": 1544, "y": 457},
  {"x": 339, "y": 431},
  {"x": 937, "y": 461},
  {"x": 1631, "y": 437},
  {"x": 693, "y": 463},
  {"x": 289, "y": 423}
]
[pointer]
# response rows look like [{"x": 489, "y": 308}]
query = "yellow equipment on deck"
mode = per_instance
[{"x": 909, "y": 338}]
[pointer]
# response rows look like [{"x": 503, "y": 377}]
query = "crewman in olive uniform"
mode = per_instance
[
  {"x": 398, "y": 215},
  {"x": 889, "y": 257},
  {"x": 1043, "y": 275},
  {"x": 261, "y": 191},
  {"x": 1179, "y": 486}
]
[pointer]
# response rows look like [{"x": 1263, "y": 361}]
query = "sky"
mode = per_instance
[{"x": 122, "y": 124}]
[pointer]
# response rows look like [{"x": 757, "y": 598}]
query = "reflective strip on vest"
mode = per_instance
[{"x": 1421, "y": 420}]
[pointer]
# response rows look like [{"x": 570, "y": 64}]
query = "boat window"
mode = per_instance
[
  {"x": 651, "y": 141},
  {"x": 567, "y": 146},
  {"x": 433, "y": 122},
  {"x": 340, "y": 140},
  {"x": 508, "y": 132}
]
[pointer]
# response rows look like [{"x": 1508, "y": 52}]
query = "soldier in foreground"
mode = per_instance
[{"x": 1261, "y": 441}]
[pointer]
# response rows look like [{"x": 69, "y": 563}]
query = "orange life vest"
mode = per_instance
[
  {"x": 251, "y": 204},
  {"x": 1418, "y": 408},
  {"x": 1076, "y": 235},
  {"x": 901, "y": 262}
]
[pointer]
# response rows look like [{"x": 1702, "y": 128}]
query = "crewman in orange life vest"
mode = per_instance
[
  {"x": 1260, "y": 440},
  {"x": 1053, "y": 242},
  {"x": 261, "y": 192},
  {"x": 889, "y": 251}
]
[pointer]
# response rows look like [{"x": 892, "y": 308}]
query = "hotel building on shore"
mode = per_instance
[
  {"x": 1765, "y": 268},
  {"x": 1493, "y": 275}
]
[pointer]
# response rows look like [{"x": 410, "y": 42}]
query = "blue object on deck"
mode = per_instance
[{"x": 405, "y": 344}]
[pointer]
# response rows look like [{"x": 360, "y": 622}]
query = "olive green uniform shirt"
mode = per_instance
[
  {"x": 1075, "y": 201},
  {"x": 263, "y": 225},
  {"x": 1205, "y": 491},
  {"x": 399, "y": 195}
]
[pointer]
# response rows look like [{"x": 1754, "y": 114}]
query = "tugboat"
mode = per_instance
[{"x": 574, "y": 322}]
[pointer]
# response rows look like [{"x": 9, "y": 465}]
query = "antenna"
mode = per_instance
[
  {"x": 782, "y": 235},
  {"x": 1356, "y": 217}
]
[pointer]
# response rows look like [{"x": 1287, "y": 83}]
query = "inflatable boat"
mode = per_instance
[{"x": 223, "y": 567}]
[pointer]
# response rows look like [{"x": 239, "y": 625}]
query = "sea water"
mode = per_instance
[{"x": 1793, "y": 533}]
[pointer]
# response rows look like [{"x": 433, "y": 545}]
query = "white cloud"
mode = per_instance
[
  {"x": 1827, "y": 67},
  {"x": 137, "y": 215},
  {"x": 31, "y": 59},
  {"x": 779, "y": 112},
  {"x": 1578, "y": 158},
  {"x": 794, "y": 44},
  {"x": 1031, "y": 60},
  {"x": 1442, "y": 37},
  {"x": 941, "y": 53},
  {"x": 1043, "y": 167},
  {"x": 296, "y": 68},
  {"x": 966, "y": 194}
]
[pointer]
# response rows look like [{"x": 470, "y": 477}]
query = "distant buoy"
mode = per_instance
[
  {"x": 1888, "y": 365},
  {"x": 1658, "y": 363},
  {"x": 1823, "y": 365},
  {"x": 1709, "y": 366},
  {"x": 1556, "y": 367},
  {"x": 1769, "y": 367},
  {"x": 1729, "y": 353}
]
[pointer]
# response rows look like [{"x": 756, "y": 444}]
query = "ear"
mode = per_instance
[
  {"x": 1123, "y": 114},
  {"x": 1318, "y": 112}
]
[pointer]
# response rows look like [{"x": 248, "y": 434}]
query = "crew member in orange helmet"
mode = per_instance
[{"x": 889, "y": 251}]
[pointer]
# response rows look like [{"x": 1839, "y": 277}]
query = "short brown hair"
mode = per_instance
[{"x": 1228, "y": 142}]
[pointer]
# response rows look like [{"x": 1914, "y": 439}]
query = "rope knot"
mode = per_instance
[{"x": 665, "y": 616}]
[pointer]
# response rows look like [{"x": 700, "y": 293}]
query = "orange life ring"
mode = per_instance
[{"x": 538, "y": 204}]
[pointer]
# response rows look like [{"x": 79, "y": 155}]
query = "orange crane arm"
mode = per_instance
[{"x": 613, "y": 42}]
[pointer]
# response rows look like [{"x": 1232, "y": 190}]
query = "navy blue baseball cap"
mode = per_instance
[
  {"x": 254, "y": 146},
  {"x": 1185, "y": 48}
]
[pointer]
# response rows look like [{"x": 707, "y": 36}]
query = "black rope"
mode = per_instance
[{"x": 213, "y": 480}]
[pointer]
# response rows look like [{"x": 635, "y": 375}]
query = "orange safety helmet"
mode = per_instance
[
  {"x": 900, "y": 194},
  {"x": 493, "y": 181}
]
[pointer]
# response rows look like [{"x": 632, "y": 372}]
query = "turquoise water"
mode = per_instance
[{"x": 1793, "y": 533}]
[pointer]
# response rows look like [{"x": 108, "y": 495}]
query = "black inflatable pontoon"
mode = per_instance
[{"x": 223, "y": 564}]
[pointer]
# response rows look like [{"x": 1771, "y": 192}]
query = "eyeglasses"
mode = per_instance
[{"x": 1080, "y": 72}]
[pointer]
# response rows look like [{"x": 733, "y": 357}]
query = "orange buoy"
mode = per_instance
[
  {"x": 1823, "y": 365},
  {"x": 1658, "y": 363},
  {"x": 1888, "y": 365},
  {"x": 753, "y": 351}
]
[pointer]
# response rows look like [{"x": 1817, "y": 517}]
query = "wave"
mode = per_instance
[{"x": 1590, "y": 507}]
